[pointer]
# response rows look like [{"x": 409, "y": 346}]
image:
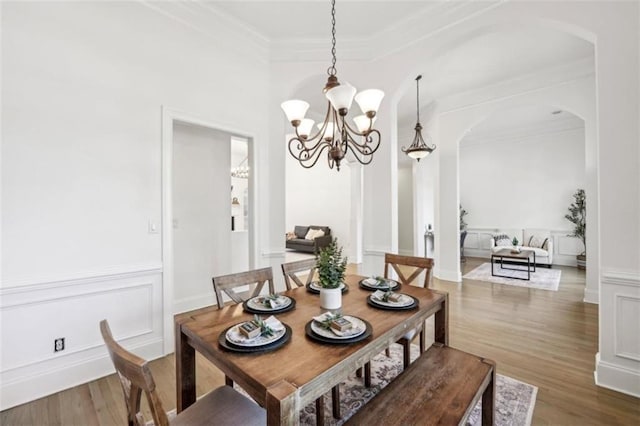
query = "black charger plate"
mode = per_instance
[
  {"x": 312, "y": 335},
  {"x": 226, "y": 345}
]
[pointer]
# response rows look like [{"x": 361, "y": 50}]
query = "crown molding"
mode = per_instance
[
  {"x": 215, "y": 25},
  {"x": 524, "y": 133}
]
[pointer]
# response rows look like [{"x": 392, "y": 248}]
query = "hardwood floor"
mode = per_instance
[{"x": 545, "y": 338}]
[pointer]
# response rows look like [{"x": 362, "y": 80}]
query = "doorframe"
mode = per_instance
[{"x": 170, "y": 116}]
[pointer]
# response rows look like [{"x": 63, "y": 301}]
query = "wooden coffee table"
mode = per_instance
[{"x": 499, "y": 257}]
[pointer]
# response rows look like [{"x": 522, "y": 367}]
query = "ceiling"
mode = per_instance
[
  {"x": 311, "y": 19},
  {"x": 484, "y": 60}
]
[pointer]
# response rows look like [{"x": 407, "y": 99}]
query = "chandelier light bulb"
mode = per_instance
[
  {"x": 304, "y": 129},
  {"x": 364, "y": 123},
  {"x": 341, "y": 97},
  {"x": 295, "y": 110},
  {"x": 369, "y": 100}
]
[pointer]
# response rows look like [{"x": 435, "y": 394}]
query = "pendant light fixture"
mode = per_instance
[
  {"x": 335, "y": 135},
  {"x": 418, "y": 148}
]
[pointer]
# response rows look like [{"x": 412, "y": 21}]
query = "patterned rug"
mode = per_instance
[
  {"x": 514, "y": 399},
  {"x": 542, "y": 278}
]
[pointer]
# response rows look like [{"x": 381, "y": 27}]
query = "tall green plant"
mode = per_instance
[
  {"x": 463, "y": 213},
  {"x": 331, "y": 265},
  {"x": 578, "y": 216}
]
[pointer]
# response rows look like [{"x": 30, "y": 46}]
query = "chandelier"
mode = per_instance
[
  {"x": 418, "y": 148},
  {"x": 241, "y": 171},
  {"x": 335, "y": 135}
]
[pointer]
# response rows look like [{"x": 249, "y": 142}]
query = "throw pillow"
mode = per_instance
[
  {"x": 310, "y": 234},
  {"x": 502, "y": 240},
  {"x": 544, "y": 244},
  {"x": 291, "y": 235},
  {"x": 319, "y": 233},
  {"x": 535, "y": 242}
]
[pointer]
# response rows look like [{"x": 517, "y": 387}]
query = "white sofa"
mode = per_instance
[{"x": 540, "y": 239}]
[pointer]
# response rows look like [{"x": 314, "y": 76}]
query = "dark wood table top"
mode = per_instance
[
  {"x": 506, "y": 252},
  {"x": 288, "y": 378}
]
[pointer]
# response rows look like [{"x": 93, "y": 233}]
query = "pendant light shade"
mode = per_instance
[{"x": 418, "y": 148}]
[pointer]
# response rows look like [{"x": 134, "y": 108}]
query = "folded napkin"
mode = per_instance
[
  {"x": 376, "y": 282},
  {"x": 235, "y": 336},
  {"x": 354, "y": 330},
  {"x": 379, "y": 295},
  {"x": 273, "y": 302}
]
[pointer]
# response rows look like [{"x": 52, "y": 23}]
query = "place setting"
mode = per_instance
[
  {"x": 336, "y": 328},
  {"x": 315, "y": 287},
  {"x": 392, "y": 301},
  {"x": 256, "y": 335},
  {"x": 379, "y": 283},
  {"x": 272, "y": 303}
]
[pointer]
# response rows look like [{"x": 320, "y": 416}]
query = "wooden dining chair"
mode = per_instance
[
  {"x": 409, "y": 269},
  {"x": 252, "y": 282},
  {"x": 292, "y": 270},
  {"x": 222, "y": 406}
]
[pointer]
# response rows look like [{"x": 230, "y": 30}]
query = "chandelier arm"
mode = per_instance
[
  {"x": 314, "y": 157},
  {"x": 320, "y": 131},
  {"x": 364, "y": 152},
  {"x": 304, "y": 153}
]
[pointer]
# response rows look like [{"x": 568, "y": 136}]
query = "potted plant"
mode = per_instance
[
  {"x": 331, "y": 267},
  {"x": 515, "y": 243},
  {"x": 578, "y": 215}
]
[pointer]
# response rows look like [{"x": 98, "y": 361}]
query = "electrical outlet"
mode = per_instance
[{"x": 58, "y": 344}]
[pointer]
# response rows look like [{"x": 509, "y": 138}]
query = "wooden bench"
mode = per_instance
[{"x": 440, "y": 388}]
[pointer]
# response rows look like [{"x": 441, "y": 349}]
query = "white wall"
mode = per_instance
[
  {"x": 319, "y": 196},
  {"x": 524, "y": 181},
  {"x": 83, "y": 84},
  {"x": 201, "y": 213},
  {"x": 405, "y": 212}
]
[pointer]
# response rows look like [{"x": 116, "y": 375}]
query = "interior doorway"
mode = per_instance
[{"x": 201, "y": 201}]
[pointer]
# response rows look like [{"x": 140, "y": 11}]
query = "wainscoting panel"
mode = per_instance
[
  {"x": 33, "y": 316},
  {"x": 618, "y": 362},
  {"x": 565, "y": 249}
]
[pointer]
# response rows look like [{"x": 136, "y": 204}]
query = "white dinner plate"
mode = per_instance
[
  {"x": 234, "y": 336},
  {"x": 258, "y": 303},
  {"x": 405, "y": 300},
  {"x": 358, "y": 328}
]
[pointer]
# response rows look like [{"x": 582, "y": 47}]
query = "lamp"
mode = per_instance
[
  {"x": 335, "y": 134},
  {"x": 418, "y": 148}
]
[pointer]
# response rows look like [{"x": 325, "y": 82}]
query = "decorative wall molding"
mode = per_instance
[
  {"x": 618, "y": 378},
  {"x": 194, "y": 302},
  {"x": 130, "y": 299},
  {"x": 627, "y": 278},
  {"x": 626, "y": 340},
  {"x": 30, "y": 284}
]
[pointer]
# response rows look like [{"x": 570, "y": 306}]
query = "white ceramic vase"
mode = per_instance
[{"x": 330, "y": 298}]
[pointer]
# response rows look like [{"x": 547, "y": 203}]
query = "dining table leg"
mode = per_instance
[
  {"x": 185, "y": 371},
  {"x": 282, "y": 405},
  {"x": 442, "y": 322}
]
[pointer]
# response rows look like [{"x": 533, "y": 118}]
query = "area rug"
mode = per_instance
[
  {"x": 514, "y": 399},
  {"x": 542, "y": 278}
]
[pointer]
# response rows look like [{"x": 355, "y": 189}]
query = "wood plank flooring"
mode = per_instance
[{"x": 545, "y": 338}]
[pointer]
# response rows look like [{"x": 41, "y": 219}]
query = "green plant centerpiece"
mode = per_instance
[
  {"x": 515, "y": 241},
  {"x": 331, "y": 265}
]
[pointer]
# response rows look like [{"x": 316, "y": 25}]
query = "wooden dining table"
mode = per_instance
[{"x": 285, "y": 380}]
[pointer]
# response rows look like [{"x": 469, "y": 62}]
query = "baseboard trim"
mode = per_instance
[
  {"x": 31, "y": 387},
  {"x": 446, "y": 275},
  {"x": 617, "y": 378},
  {"x": 591, "y": 296}
]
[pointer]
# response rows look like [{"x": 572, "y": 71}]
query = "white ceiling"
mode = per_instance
[
  {"x": 484, "y": 60},
  {"x": 311, "y": 19}
]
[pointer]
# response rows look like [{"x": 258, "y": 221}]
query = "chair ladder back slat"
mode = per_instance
[
  {"x": 419, "y": 264},
  {"x": 135, "y": 378},
  {"x": 290, "y": 271},
  {"x": 255, "y": 279}
]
